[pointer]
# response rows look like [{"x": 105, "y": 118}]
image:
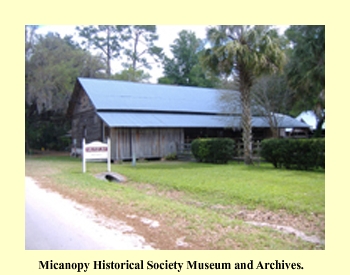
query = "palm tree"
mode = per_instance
[{"x": 244, "y": 53}]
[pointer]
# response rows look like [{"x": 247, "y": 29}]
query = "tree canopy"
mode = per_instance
[
  {"x": 141, "y": 52},
  {"x": 184, "y": 68},
  {"x": 51, "y": 72},
  {"x": 51, "y": 67},
  {"x": 106, "y": 38},
  {"x": 132, "y": 75},
  {"x": 306, "y": 69}
]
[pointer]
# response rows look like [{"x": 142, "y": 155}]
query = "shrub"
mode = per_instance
[
  {"x": 171, "y": 156},
  {"x": 213, "y": 150},
  {"x": 271, "y": 151},
  {"x": 302, "y": 154}
]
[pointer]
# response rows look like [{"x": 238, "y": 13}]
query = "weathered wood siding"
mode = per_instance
[
  {"x": 85, "y": 121},
  {"x": 120, "y": 143},
  {"x": 145, "y": 143}
]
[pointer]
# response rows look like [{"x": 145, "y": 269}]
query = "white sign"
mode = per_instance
[{"x": 97, "y": 150}]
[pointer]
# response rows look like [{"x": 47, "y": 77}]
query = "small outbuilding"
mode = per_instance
[
  {"x": 151, "y": 120},
  {"x": 308, "y": 117}
]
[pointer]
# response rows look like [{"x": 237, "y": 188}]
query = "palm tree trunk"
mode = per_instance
[
  {"x": 246, "y": 126},
  {"x": 245, "y": 84}
]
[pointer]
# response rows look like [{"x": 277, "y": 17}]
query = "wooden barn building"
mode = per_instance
[{"x": 152, "y": 120}]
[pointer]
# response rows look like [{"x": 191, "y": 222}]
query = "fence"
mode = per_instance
[
  {"x": 184, "y": 152},
  {"x": 184, "y": 148},
  {"x": 239, "y": 149}
]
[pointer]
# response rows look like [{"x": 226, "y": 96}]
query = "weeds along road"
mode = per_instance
[{"x": 55, "y": 223}]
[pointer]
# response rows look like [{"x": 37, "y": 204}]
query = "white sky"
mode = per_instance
[{"x": 167, "y": 35}]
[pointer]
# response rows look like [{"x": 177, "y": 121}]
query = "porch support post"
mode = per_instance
[
  {"x": 109, "y": 155},
  {"x": 83, "y": 156}
]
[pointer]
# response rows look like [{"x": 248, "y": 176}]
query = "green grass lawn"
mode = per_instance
[
  {"x": 199, "y": 199},
  {"x": 263, "y": 185}
]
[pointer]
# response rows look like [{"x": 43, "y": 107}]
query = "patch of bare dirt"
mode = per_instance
[
  {"x": 310, "y": 228},
  {"x": 313, "y": 225},
  {"x": 290, "y": 230}
]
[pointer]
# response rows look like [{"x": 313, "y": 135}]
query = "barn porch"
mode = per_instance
[{"x": 156, "y": 143}]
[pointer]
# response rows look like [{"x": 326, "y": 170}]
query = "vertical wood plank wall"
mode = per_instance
[
  {"x": 85, "y": 116},
  {"x": 146, "y": 142}
]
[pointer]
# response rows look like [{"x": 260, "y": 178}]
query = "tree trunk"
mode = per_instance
[
  {"x": 246, "y": 125},
  {"x": 134, "y": 54},
  {"x": 108, "y": 71},
  {"x": 273, "y": 122},
  {"x": 108, "y": 53},
  {"x": 318, "y": 131}
]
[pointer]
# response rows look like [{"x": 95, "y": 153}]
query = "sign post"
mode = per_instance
[{"x": 96, "y": 150}]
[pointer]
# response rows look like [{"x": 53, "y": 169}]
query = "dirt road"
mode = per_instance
[{"x": 55, "y": 223}]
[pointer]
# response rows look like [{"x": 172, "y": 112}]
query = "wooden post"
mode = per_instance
[
  {"x": 133, "y": 145},
  {"x": 109, "y": 155},
  {"x": 83, "y": 156}
]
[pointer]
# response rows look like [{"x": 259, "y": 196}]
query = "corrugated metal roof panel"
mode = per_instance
[
  {"x": 123, "y": 95},
  {"x": 283, "y": 121},
  {"x": 151, "y": 120}
]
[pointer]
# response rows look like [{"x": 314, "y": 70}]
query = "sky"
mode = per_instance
[{"x": 167, "y": 35}]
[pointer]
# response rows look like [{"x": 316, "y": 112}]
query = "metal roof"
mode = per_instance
[
  {"x": 160, "y": 120},
  {"x": 123, "y": 95},
  {"x": 129, "y": 104},
  {"x": 309, "y": 117}
]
